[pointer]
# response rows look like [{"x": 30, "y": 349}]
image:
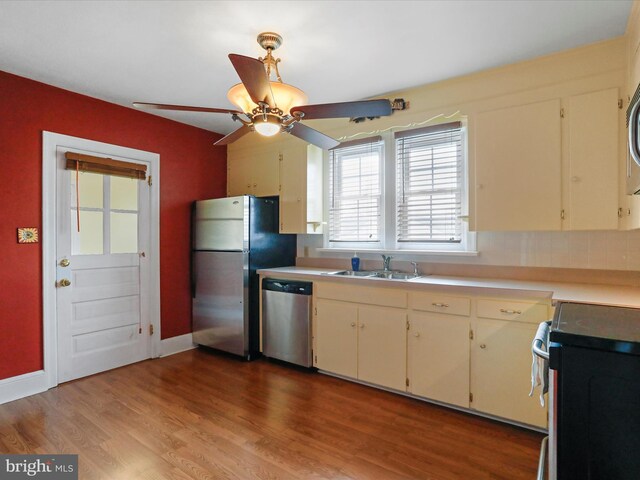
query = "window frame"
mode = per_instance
[
  {"x": 388, "y": 237},
  {"x": 349, "y": 245}
]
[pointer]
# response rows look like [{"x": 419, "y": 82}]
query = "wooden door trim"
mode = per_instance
[{"x": 50, "y": 143}]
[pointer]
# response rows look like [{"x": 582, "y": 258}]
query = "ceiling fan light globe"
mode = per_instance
[
  {"x": 268, "y": 127},
  {"x": 285, "y": 96}
]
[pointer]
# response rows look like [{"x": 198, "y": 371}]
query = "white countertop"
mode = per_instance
[{"x": 615, "y": 295}]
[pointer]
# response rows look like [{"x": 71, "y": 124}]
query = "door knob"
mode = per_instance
[
  {"x": 65, "y": 262},
  {"x": 482, "y": 345},
  {"x": 64, "y": 282}
]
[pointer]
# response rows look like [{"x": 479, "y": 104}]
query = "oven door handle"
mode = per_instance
[
  {"x": 542, "y": 461},
  {"x": 634, "y": 119},
  {"x": 540, "y": 340}
]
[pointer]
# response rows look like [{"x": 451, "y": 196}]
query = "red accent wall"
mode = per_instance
[{"x": 191, "y": 168}]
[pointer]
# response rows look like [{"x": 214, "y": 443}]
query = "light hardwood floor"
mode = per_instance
[{"x": 200, "y": 415}]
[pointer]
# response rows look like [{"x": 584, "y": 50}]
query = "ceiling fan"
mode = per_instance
[{"x": 271, "y": 106}]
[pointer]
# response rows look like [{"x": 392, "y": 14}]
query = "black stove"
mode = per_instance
[
  {"x": 595, "y": 353},
  {"x": 613, "y": 329}
]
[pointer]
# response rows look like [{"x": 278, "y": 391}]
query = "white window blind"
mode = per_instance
[
  {"x": 429, "y": 184},
  {"x": 355, "y": 191}
]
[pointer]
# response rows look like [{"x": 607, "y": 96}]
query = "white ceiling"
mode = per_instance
[{"x": 176, "y": 51}]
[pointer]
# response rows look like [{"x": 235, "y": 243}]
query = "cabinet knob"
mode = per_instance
[
  {"x": 353, "y": 324},
  {"x": 362, "y": 325},
  {"x": 417, "y": 334},
  {"x": 255, "y": 185},
  {"x": 483, "y": 346},
  {"x": 575, "y": 179}
]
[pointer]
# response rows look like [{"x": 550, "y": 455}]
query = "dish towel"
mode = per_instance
[{"x": 540, "y": 366}]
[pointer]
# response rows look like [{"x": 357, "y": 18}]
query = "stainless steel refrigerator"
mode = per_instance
[{"x": 231, "y": 239}]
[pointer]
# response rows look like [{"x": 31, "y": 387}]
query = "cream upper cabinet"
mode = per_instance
[
  {"x": 337, "y": 337},
  {"x": 501, "y": 371},
  {"x": 291, "y": 170},
  {"x": 301, "y": 189},
  {"x": 382, "y": 346},
  {"x": 253, "y": 172},
  {"x": 438, "y": 357},
  {"x": 592, "y": 142},
  {"x": 518, "y": 168},
  {"x": 238, "y": 175}
]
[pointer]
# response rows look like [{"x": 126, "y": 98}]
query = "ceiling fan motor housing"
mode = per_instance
[{"x": 269, "y": 40}]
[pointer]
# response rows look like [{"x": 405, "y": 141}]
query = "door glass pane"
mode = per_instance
[
  {"x": 124, "y": 232},
  {"x": 90, "y": 186},
  {"x": 124, "y": 193},
  {"x": 88, "y": 241}
]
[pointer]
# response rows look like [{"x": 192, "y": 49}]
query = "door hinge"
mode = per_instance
[
  {"x": 139, "y": 330},
  {"x": 562, "y": 214},
  {"x": 407, "y": 382},
  {"x": 150, "y": 329},
  {"x": 620, "y": 212},
  {"x": 408, "y": 325},
  {"x": 280, "y": 157},
  {"x": 315, "y": 310},
  {"x": 470, "y": 397},
  {"x": 470, "y": 334},
  {"x": 620, "y": 103},
  {"x": 562, "y": 113},
  {"x": 150, "y": 180},
  {"x": 315, "y": 359}
]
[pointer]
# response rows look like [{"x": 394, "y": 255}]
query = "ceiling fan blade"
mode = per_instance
[
  {"x": 233, "y": 136},
  {"x": 162, "y": 106},
  {"x": 313, "y": 136},
  {"x": 254, "y": 77},
  {"x": 364, "y": 108}
]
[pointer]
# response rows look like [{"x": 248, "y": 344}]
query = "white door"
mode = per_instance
[{"x": 103, "y": 312}]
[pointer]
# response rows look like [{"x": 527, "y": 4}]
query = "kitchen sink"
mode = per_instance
[
  {"x": 396, "y": 275},
  {"x": 375, "y": 274},
  {"x": 351, "y": 273}
]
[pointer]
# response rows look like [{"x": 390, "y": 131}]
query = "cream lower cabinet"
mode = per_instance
[
  {"x": 471, "y": 352},
  {"x": 357, "y": 341},
  {"x": 501, "y": 361},
  {"x": 382, "y": 346},
  {"x": 438, "y": 357},
  {"x": 337, "y": 337}
]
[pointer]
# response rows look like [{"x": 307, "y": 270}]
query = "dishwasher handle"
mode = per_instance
[{"x": 287, "y": 286}]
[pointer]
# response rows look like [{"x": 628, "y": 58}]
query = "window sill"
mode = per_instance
[{"x": 426, "y": 253}]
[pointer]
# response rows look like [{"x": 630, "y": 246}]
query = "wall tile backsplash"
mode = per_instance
[{"x": 608, "y": 250}]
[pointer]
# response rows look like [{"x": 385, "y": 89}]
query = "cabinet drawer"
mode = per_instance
[
  {"x": 359, "y": 294},
  {"x": 528, "y": 312},
  {"x": 435, "y": 302}
]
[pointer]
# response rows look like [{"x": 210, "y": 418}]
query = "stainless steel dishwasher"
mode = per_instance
[{"x": 286, "y": 320}]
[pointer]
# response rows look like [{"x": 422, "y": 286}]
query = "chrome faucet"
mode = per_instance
[
  {"x": 386, "y": 262},
  {"x": 415, "y": 268}
]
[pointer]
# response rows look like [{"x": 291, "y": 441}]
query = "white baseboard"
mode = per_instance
[
  {"x": 178, "y": 344},
  {"x": 22, "y": 386}
]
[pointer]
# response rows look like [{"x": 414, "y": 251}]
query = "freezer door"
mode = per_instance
[
  {"x": 221, "y": 224},
  {"x": 220, "y": 303}
]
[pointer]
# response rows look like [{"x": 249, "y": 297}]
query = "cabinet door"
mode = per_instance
[
  {"x": 518, "y": 168},
  {"x": 438, "y": 357},
  {"x": 293, "y": 182},
  {"x": 238, "y": 175},
  {"x": 592, "y": 124},
  {"x": 265, "y": 174},
  {"x": 337, "y": 337},
  {"x": 501, "y": 371},
  {"x": 382, "y": 346}
]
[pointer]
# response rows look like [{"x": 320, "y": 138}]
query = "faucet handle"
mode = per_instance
[{"x": 415, "y": 268}]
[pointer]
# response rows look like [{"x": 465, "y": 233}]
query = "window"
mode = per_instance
[
  {"x": 355, "y": 171},
  {"x": 429, "y": 184},
  {"x": 403, "y": 191}
]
